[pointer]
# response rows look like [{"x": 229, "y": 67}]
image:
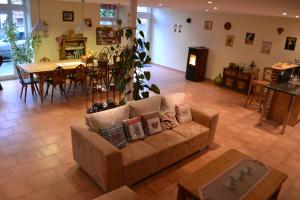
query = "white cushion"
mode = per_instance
[
  {"x": 144, "y": 106},
  {"x": 108, "y": 118},
  {"x": 169, "y": 101}
]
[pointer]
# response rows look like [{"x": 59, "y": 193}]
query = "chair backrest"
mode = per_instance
[
  {"x": 20, "y": 75},
  {"x": 80, "y": 72},
  {"x": 255, "y": 73},
  {"x": 44, "y": 59},
  {"x": 58, "y": 76},
  {"x": 1, "y": 60},
  {"x": 267, "y": 76}
]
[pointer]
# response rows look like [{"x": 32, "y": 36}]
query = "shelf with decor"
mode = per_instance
[
  {"x": 71, "y": 48},
  {"x": 237, "y": 80}
]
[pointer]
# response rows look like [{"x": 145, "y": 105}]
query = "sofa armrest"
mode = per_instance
[
  {"x": 100, "y": 159},
  {"x": 206, "y": 117}
]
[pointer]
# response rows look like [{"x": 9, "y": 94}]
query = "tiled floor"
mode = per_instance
[{"x": 36, "y": 156}]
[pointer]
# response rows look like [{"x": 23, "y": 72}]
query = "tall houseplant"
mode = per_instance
[
  {"x": 22, "y": 53},
  {"x": 130, "y": 60}
]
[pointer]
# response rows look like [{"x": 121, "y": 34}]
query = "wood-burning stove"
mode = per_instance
[{"x": 196, "y": 63}]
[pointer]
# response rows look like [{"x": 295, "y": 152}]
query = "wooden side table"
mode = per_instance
[{"x": 268, "y": 188}]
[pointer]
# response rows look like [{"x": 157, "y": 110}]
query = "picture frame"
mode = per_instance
[
  {"x": 250, "y": 37},
  {"x": 266, "y": 47},
  {"x": 229, "y": 40},
  {"x": 290, "y": 43},
  {"x": 68, "y": 16},
  {"x": 208, "y": 25},
  {"x": 88, "y": 22}
]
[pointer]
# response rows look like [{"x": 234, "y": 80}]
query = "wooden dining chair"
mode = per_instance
[
  {"x": 57, "y": 79},
  {"x": 78, "y": 76},
  {"x": 259, "y": 85},
  {"x": 25, "y": 82}
]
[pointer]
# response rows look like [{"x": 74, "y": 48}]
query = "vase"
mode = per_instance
[{"x": 219, "y": 80}]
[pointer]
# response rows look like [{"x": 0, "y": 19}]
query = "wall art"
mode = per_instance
[
  {"x": 88, "y": 22},
  {"x": 179, "y": 28},
  {"x": 175, "y": 28},
  {"x": 229, "y": 40},
  {"x": 290, "y": 43},
  {"x": 68, "y": 16},
  {"x": 208, "y": 25},
  {"x": 280, "y": 30},
  {"x": 227, "y": 26},
  {"x": 250, "y": 38},
  {"x": 266, "y": 47},
  {"x": 105, "y": 35}
]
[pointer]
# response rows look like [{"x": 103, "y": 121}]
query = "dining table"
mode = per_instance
[{"x": 44, "y": 69}]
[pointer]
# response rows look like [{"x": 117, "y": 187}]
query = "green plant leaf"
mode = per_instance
[
  {"x": 142, "y": 34},
  {"x": 142, "y": 56},
  {"x": 140, "y": 42},
  {"x": 148, "y": 60},
  {"x": 139, "y": 21},
  {"x": 154, "y": 89},
  {"x": 128, "y": 33},
  {"x": 147, "y": 75},
  {"x": 145, "y": 94},
  {"x": 147, "y": 45}
]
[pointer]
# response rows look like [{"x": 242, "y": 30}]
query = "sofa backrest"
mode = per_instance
[{"x": 132, "y": 109}]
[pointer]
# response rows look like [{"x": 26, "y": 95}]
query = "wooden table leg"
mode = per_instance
[
  {"x": 286, "y": 120},
  {"x": 32, "y": 84},
  {"x": 41, "y": 87}
]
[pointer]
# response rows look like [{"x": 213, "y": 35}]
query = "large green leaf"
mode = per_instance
[
  {"x": 147, "y": 45},
  {"x": 139, "y": 21},
  {"x": 148, "y": 60},
  {"x": 142, "y": 56},
  {"x": 128, "y": 33},
  {"x": 145, "y": 94},
  {"x": 142, "y": 34},
  {"x": 155, "y": 89},
  {"x": 140, "y": 42},
  {"x": 147, "y": 75}
]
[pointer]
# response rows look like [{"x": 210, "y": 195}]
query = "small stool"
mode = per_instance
[{"x": 123, "y": 193}]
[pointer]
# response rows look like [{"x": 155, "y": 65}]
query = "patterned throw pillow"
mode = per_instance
[
  {"x": 183, "y": 113},
  {"x": 168, "y": 119},
  {"x": 151, "y": 123},
  {"x": 115, "y": 135},
  {"x": 133, "y": 129}
]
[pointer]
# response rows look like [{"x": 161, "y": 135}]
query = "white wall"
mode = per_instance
[
  {"x": 170, "y": 48},
  {"x": 51, "y": 12}
]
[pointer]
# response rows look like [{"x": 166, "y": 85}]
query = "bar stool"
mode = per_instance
[{"x": 259, "y": 85}]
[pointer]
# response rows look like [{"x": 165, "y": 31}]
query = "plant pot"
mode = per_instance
[{"x": 219, "y": 80}]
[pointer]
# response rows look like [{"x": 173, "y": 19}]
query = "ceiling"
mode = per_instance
[{"x": 253, "y": 7}]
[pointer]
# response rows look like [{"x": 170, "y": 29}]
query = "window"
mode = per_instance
[
  {"x": 141, "y": 9},
  {"x": 109, "y": 14},
  {"x": 16, "y": 2},
  {"x": 3, "y": 2}
]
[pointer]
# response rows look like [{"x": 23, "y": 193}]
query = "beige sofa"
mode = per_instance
[{"x": 111, "y": 167}]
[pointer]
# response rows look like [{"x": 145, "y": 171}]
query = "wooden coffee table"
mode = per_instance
[{"x": 268, "y": 188}]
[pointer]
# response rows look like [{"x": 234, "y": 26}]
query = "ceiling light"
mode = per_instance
[
  {"x": 40, "y": 25},
  {"x": 284, "y": 13},
  {"x": 206, "y": 10},
  {"x": 82, "y": 26},
  {"x": 215, "y": 8},
  {"x": 210, "y": 2},
  {"x": 297, "y": 16},
  {"x": 160, "y": 4}
]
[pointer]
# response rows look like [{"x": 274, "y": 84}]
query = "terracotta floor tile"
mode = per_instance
[
  {"x": 29, "y": 156},
  {"x": 44, "y": 179},
  {"x": 16, "y": 189}
]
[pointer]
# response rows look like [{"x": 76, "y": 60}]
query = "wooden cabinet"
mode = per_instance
[
  {"x": 237, "y": 80},
  {"x": 196, "y": 63},
  {"x": 72, "y": 48}
]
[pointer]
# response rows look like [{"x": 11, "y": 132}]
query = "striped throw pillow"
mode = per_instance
[{"x": 115, "y": 135}]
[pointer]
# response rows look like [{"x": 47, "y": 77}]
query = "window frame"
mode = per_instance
[{"x": 113, "y": 20}]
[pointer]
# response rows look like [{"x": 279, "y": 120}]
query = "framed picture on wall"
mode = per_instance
[
  {"x": 250, "y": 38},
  {"x": 229, "y": 40},
  {"x": 68, "y": 16},
  {"x": 290, "y": 43},
  {"x": 208, "y": 25},
  {"x": 105, "y": 35},
  {"x": 266, "y": 47},
  {"x": 88, "y": 22}
]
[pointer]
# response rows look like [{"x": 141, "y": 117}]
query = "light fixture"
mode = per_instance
[
  {"x": 297, "y": 16},
  {"x": 206, "y": 10},
  {"x": 210, "y": 2},
  {"x": 284, "y": 13},
  {"x": 40, "y": 25},
  {"x": 215, "y": 8},
  {"x": 82, "y": 26},
  {"x": 160, "y": 5}
]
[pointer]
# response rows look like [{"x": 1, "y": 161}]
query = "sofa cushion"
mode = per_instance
[
  {"x": 139, "y": 161},
  {"x": 170, "y": 100},
  {"x": 115, "y": 135},
  {"x": 190, "y": 130},
  {"x": 169, "y": 144},
  {"x": 144, "y": 106},
  {"x": 108, "y": 118},
  {"x": 183, "y": 113},
  {"x": 133, "y": 129},
  {"x": 151, "y": 123},
  {"x": 168, "y": 119}
]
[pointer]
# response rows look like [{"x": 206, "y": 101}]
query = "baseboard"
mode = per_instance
[{"x": 168, "y": 67}]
